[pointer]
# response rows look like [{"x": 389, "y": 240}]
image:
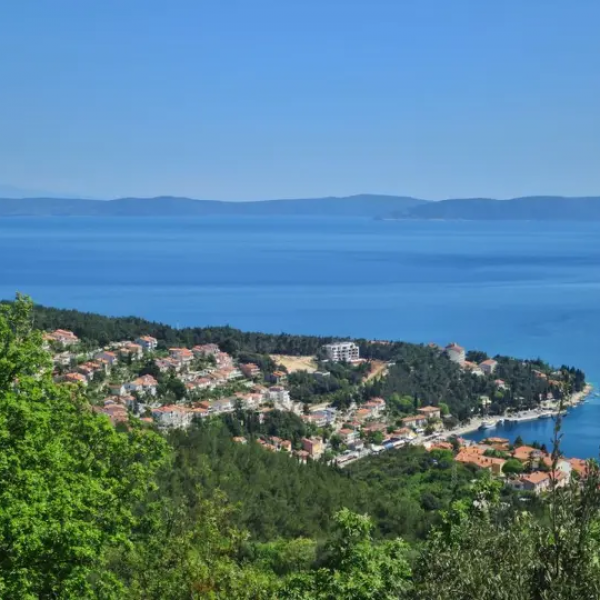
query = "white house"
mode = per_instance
[
  {"x": 206, "y": 350},
  {"x": 117, "y": 389},
  {"x": 145, "y": 384},
  {"x": 110, "y": 357},
  {"x": 430, "y": 412},
  {"x": 62, "y": 336},
  {"x": 488, "y": 366},
  {"x": 250, "y": 401},
  {"x": 167, "y": 364},
  {"x": 376, "y": 406},
  {"x": 182, "y": 355},
  {"x": 147, "y": 342},
  {"x": 348, "y": 436},
  {"x": 500, "y": 384},
  {"x": 415, "y": 421},
  {"x": 472, "y": 367},
  {"x": 456, "y": 353},
  {"x": 173, "y": 416},
  {"x": 342, "y": 351},
  {"x": 135, "y": 351},
  {"x": 280, "y": 397},
  {"x": 222, "y": 406}
]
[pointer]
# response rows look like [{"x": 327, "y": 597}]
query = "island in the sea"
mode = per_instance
[{"x": 536, "y": 208}]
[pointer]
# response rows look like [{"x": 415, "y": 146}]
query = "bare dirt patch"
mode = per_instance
[
  {"x": 378, "y": 367},
  {"x": 296, "y": 363}
]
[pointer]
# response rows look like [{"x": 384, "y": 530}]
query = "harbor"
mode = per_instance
[
  {"x": 580, "y": 426},
  {"x": 482, "y": 424}
]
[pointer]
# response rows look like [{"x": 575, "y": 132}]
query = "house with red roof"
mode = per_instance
[
  {"x": 536, "y": 482},
  {"x": 147, "y": 342},
  {"x": 415, "y": 421},
  {"x": 181, "y": 355},
  {"x": 527, "y": 454},
  {"x": 144, "y": 385},
  {"x": 488, "y": 366},
  {"x": 132, "y": 350},
  {"x": 250, "y": 370},
  {"x": 63, "y": 337},
  {"x": 475, "y": 455},
  {"x": 314, "y": 446},
  {"x": 376, "y": 406},
  {"x": 348, "y": 436},
  {"x": 76, "y": 378},
  {"x": 500, "y": 384},
  {"x": 204, "y": 350},
  {"x": 110, "y": 357},
  {"x": 456, "y": 353},
  {"x": 430, "y": 412},
  {"x": 173, "y": 416}
]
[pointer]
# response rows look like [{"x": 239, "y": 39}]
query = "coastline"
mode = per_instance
[{"x": 527, "y": 415}]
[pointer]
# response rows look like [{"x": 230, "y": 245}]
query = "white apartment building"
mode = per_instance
[
  {"x": 342, "y": 351},
  {"x": 280, "y": 397}
]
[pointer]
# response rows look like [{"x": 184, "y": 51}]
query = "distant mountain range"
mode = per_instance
[
  {"x": 352, "y": 206},
  {"x": 536, "y": 208},
  {"x": 531, "y": 208}
]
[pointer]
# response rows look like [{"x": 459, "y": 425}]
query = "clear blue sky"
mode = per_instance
[{"x": 258, "y": 99}]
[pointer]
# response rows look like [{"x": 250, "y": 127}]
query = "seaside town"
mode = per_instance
[{"x": 169, "y": 388}]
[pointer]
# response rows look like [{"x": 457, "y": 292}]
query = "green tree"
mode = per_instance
[
  {"x": 336, "y": 441},
  {"x": 70, "y": 485},
  {"x": 376, "y": 437},
  {"x": 484, "y": 540},
  {"x": 355, "y": 568},
  {"x": 190, "y": 553},
  {"x": 512, "y": 467}
]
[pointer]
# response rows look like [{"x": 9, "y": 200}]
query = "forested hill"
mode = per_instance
[
  {"x": 420, "y": 372},
  {"x": 365, "y": 205},
  {"x": 534, "y": 208}
]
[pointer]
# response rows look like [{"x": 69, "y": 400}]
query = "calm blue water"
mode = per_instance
[
  {"x": 526, "y": 289},
  {"x": 581, "y": 429}
]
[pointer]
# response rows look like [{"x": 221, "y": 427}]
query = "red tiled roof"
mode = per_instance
[{"x": 536, "y": 477}]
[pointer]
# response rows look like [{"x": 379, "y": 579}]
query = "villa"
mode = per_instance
[
  {"x": 456, "y": 353},
  {"x": 488, "y": 366},
  {"x": 147, "y": 342},
  {"x": 430, "y": 412}
]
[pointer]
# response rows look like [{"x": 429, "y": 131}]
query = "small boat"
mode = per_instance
[
  {"x": 486, "y": 425},
  {"x": 545, "y": 416}
]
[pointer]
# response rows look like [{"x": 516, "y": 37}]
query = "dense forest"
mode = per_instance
[
  {"x": 280, "y": 497},
  {"x": 90, "y": 512},
  {"x": 425, "y": 375}
]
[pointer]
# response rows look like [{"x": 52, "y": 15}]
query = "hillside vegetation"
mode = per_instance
[{"x": 88, "y": 511}]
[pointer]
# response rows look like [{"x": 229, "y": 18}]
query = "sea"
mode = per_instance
[{"x": 526, "y": 289}]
